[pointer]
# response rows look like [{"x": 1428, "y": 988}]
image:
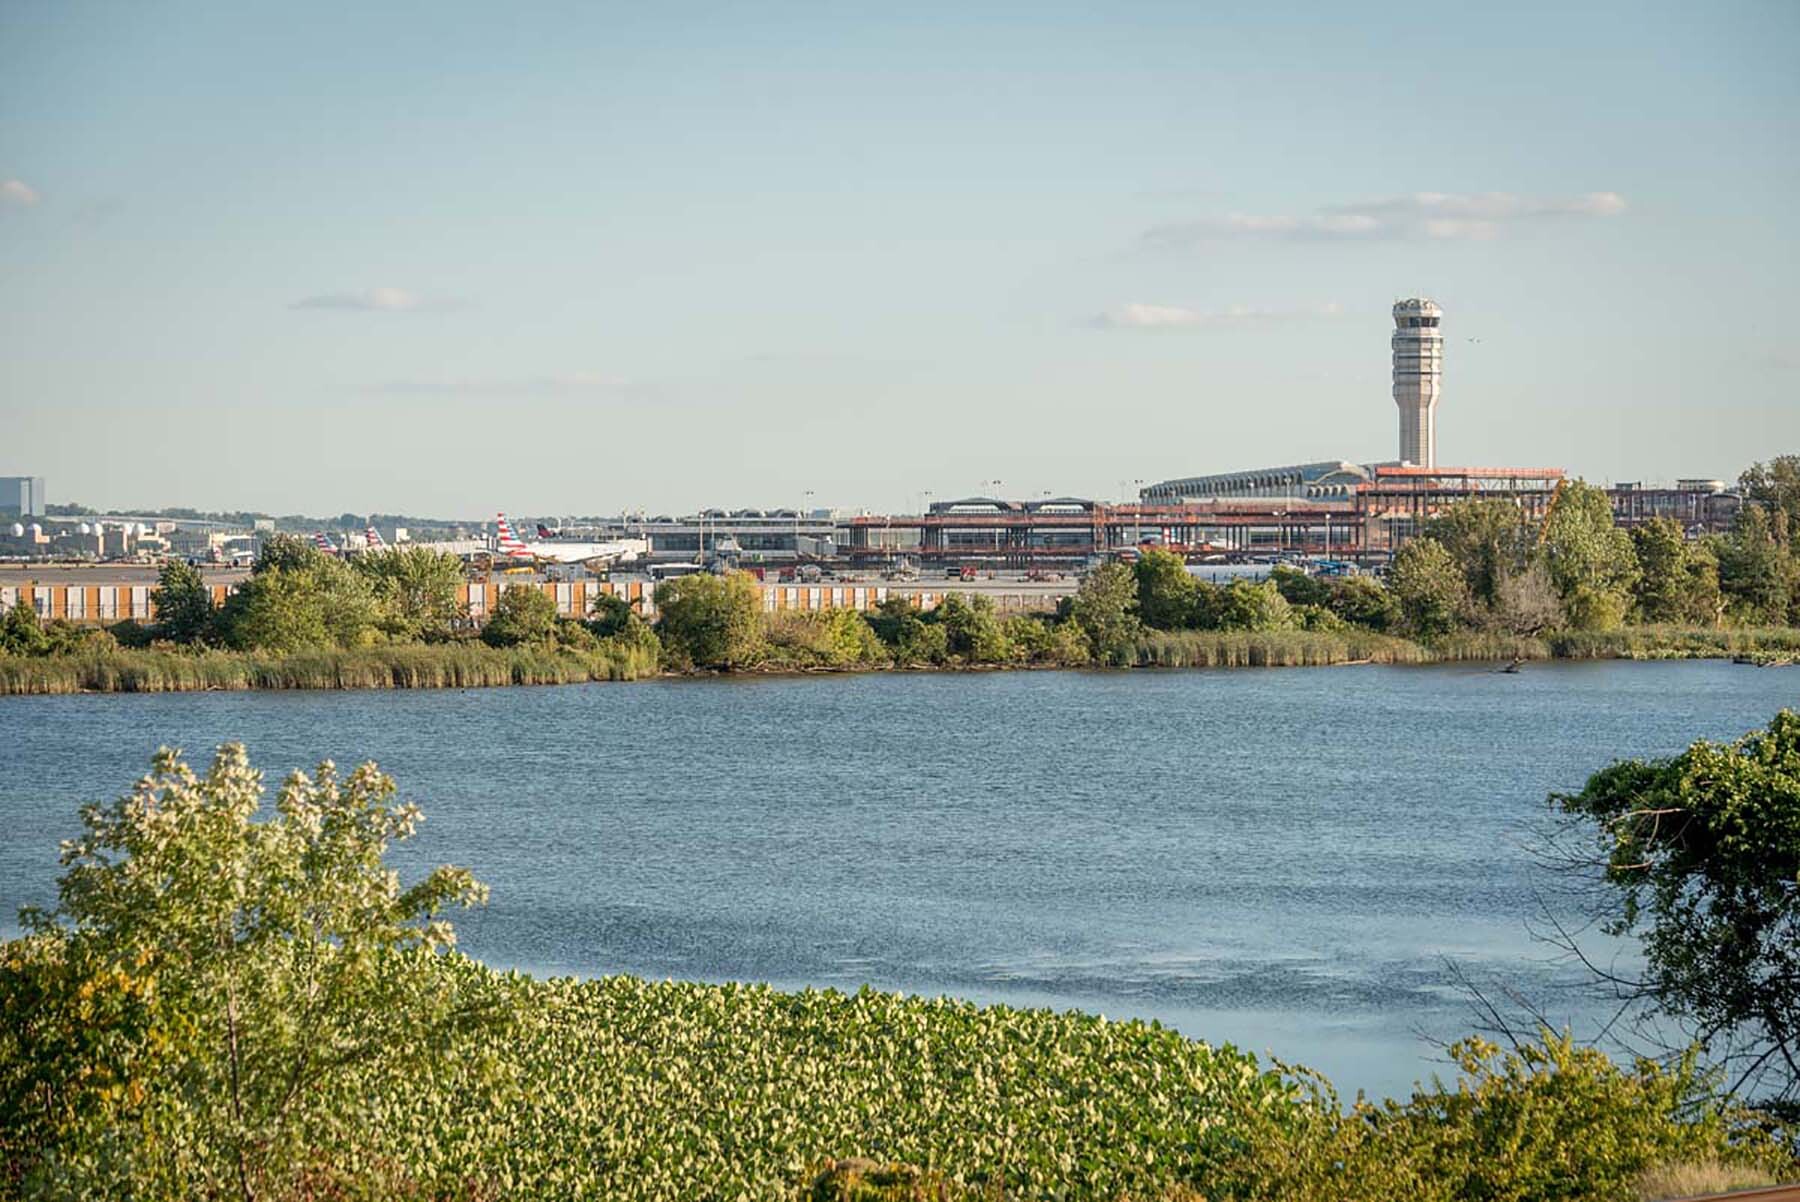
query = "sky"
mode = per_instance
[{"x": 443, "y": 258}]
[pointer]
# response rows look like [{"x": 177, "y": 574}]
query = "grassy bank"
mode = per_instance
[
  {"x": 475, "y": 665},
  {"x": 414, "y": 666}
]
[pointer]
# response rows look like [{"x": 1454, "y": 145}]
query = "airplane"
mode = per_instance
[
  {"x": 323, "y": 542},
  {"x": 545, "y": 550},
  {"x": 372, "y": 538}
]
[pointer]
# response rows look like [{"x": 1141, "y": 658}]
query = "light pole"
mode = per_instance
[{"x": 998, "y": 529}]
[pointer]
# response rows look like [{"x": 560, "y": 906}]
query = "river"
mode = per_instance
[{"x": 1285, "y": 859}]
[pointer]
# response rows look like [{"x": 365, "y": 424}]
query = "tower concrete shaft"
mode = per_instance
[{"x": 1418, "y": 377}]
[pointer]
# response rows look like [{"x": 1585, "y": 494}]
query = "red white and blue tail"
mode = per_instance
[
  {"x": 322, "y": 541},
  {"x": 372, "y": 538},
  {"x": 510, "y": 546}
]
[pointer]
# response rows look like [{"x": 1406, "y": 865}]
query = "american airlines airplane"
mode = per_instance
[{"x": 622, "y": 550}]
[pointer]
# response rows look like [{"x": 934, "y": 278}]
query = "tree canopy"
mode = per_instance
[
  {"x": 189, "y": 1020},
  {"x": 712, "y": 621},
  {"x": 1702, "y": 851}
]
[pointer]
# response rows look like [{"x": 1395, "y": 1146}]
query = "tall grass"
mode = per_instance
[
  {"x": 475, "y": 665},
  {"x": 1484, "y": 645},
  {"x": 1675, "y": 642},
  {"x": 419, "y": 666},
  {"x": 1272, "y": 649}
]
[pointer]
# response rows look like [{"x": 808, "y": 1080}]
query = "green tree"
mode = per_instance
[
  {"x": 1429, "y": 588},
  {"x": 417, "y": 588},
  {"x": 192, "y": 1018},
  {"x": 1487, "y": 538},
  {"x": 1165, "y": 590},
  {"x": 609, "y": 614},
  {"x": 21, "y": 633},
  {"x": 1701, "y": 600},
  {"x": 286, "y": 552},
  {"x": 1256, "y": 606},
  {"x": 1677, "y": 580},
  {"x": 1755, "y": 571},
  {"x": 850, "y": 641},
  {"x": 1361, "y": 601},
  {"x": 712, "y": 621},
  {"x": 1703, "y": 855},
  {"x": 297, "y": 600},
  {"x": 523, "y": 613},
  {"x": 1209, "y": 605},
  {"x": 182, "y": 603},
  {"x": 972, "y": 630},
  {"x": 1775, "y": 486},
  {"x": 1105, "y": 609},
  {"x": 1298, "y": 588},
  {"x": 911, "y": 640},
  {"x": 1591, "y": 560}
]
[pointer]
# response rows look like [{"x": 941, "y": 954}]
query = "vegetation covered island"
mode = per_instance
[{"x": 1480, "y": 582}]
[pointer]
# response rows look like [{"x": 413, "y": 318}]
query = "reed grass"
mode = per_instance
[
  {"x": 1272, "y": 649},
  {"x": 417, "y": 666},
  {"x": 1676, "y": 642},
  {"x": 475, "y": 665},
  {"x": 1467, "y": 645}
]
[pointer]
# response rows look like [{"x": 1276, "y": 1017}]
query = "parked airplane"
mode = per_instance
[
  {"x": 323, "y": 542},
  {"x": 548, "y": 550},
  {"x": 373, "y": 540}
]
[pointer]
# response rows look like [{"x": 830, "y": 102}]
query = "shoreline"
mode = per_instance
[{"x": 465, "y": 666}]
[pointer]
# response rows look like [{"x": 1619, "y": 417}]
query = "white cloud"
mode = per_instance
[
  {"x": 17, "y": 193},
  {"x": 372, "y": 300},
  {"x": 1139, "y": 316},
  {"x": 1473, "y": 216}
]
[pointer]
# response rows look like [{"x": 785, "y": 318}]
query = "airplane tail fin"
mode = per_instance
[
  {"x": 373, "y": 537},
  {"x": 544, "y": 531},
  {"x": 322, "y": 541},
  {"x": 510, "y": 545}
]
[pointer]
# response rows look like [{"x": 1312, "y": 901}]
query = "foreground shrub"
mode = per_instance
[
  {"x": 193, "y": 1017},
  {"x": 1547, "y": 1120}
]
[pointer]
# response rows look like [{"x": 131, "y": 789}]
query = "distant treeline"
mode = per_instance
[{"x": 1480, "y": 581}]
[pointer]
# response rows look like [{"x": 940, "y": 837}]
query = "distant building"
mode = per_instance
[
  {"x": 1329, "y": 479},
  {"x": 22, "y": 496}
]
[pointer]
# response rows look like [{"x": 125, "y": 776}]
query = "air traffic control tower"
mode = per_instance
[{"x": 1418, "y": 375}]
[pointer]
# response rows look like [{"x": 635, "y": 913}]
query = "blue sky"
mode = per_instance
[{"x": 443, "y": 258}]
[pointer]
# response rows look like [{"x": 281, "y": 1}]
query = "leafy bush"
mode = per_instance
[
  {"x": 1257, "y": 607},
  {"x": 523, "y": 614},
  {"x": 711, "y": 621},
  {"x": 1105, "y": 609},
  {"x": 1546, "y": 1120},
  {"x": 195, "y": 1015},
  {"x": 833, "y": 638},
  {"x": 972, "y": 631}
]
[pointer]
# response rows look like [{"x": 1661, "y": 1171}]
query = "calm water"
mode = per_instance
[{"x": 1283, "y": 859}]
